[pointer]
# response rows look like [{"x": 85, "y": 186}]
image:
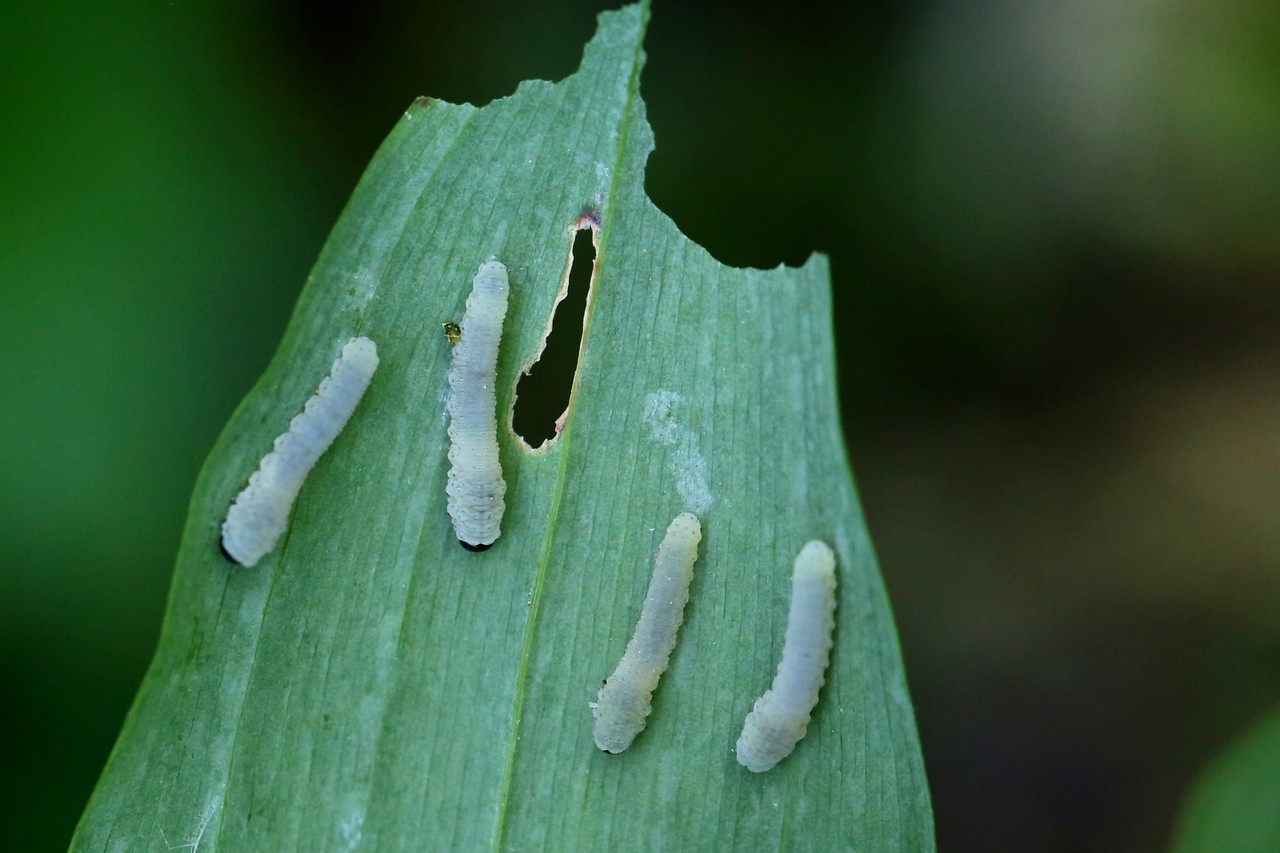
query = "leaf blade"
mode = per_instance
[
  {"x": 1231, "y": 805},
  {"x": 373, "y": 685}
]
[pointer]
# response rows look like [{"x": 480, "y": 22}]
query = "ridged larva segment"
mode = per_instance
[
  {"x": 780, "y": 717},
  {"x": 624, "y": 701},
  {"x": 260, "y": 512},
  {"x": 476, "y": 489}
]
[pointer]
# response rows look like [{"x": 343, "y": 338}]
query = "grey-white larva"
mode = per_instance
[
  {"x": 476, "y": 488},
  {"x": 779, "y": 719},
  {"x": 260, "y": 512},
  {"x": 624, "y": 701}
]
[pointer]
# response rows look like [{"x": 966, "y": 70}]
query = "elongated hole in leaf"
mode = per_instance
[{"x": 542, "y": 394}]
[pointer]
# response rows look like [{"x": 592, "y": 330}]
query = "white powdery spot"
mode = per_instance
[
  {"x": 686, "y": 464},
  {"x": 351, "y": 827},
  {"x": 212, "y": 806},
  {"x": 364, "y": 287}
]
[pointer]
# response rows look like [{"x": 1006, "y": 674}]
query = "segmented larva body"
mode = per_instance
[
  {"x": 260, "y": 512},
  {"x": 780, "y": 717},
  {"x": 476, "y": 488},
  {"x": 624, "y": 701}
]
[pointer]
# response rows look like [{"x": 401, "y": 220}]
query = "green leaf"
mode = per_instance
[
  {"x": 372, "y": 685},
  {"x": 1235, "y": 805}
]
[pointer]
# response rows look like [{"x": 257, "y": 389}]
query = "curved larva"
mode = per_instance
[
  {"x": 260, "y": 512},
  {"x": 779, "y": 719},
  {"x": 476, "y": 488},
  {"x": 624, "y": 701}
]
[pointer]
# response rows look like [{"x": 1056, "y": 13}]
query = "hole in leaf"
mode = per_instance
[{"x": 542, "y": 395}]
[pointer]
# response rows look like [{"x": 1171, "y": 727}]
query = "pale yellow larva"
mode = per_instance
[
  {"x": 624, "y": 701},
  {"x": 780, "y": 717},
  {"x": 476, "y": 489},
  {"x": 261, "y": 511}
]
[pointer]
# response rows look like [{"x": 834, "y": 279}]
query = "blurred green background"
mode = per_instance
[{"x": 1053, "y": 229}]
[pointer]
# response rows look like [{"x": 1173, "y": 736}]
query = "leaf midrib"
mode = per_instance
[{"x": 566, "y": 439}]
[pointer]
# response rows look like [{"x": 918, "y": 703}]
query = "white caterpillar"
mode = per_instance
[
  {"x": 260, "y": 512},
  {"x": 624, "y": 701},
  {"x": 779, "y": 718},
  {"x": 476, "y": 488}
]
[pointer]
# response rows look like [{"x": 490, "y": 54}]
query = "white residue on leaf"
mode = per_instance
[
  {"x": 351, "y": 827},
  {"x": 685, "y": 462},
  {"x": 212, "y": 806}
]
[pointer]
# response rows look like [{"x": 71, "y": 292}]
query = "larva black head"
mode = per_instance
[
  {"x": 227, "y": 554},
  {"x": 476, "y": 548}
]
